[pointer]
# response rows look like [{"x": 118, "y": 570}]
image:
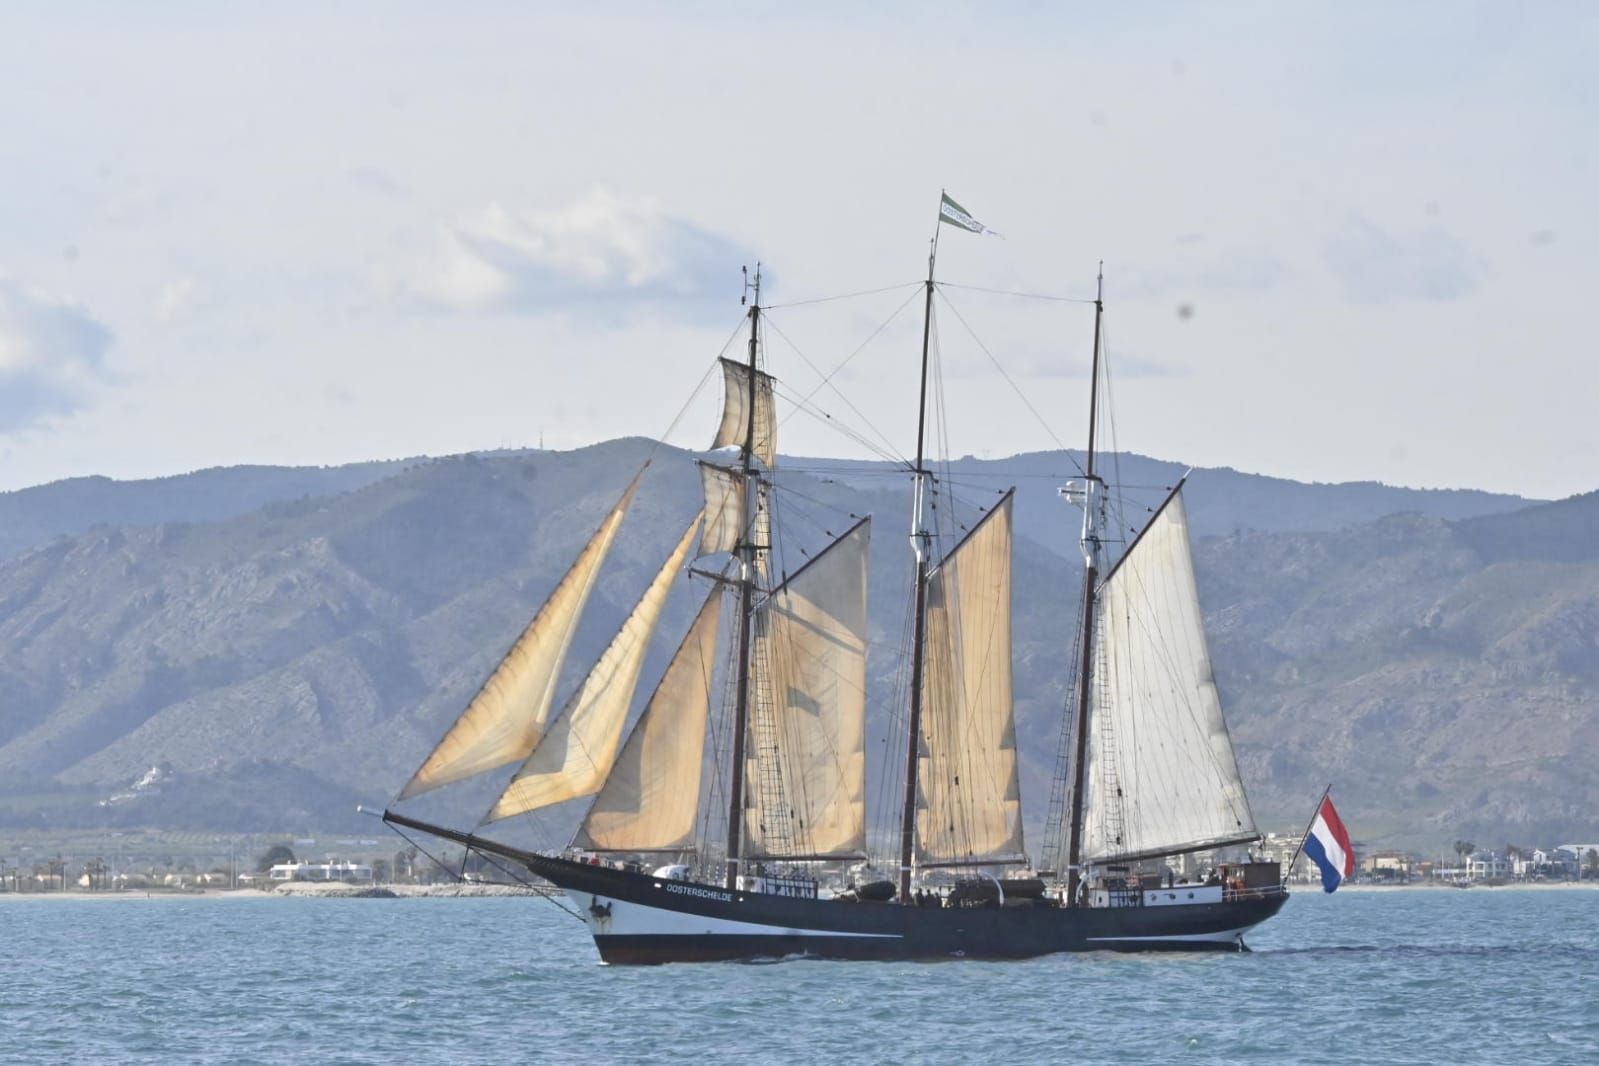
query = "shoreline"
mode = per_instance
[
  {"x": 291, "y": 890},
  {"x": 339, "y": 890}
]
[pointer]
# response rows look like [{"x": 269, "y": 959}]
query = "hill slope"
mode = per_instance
[{"x": 1442, "y": 669}]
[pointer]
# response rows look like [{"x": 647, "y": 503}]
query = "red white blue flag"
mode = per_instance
[{"x": 1328, "y": 844}]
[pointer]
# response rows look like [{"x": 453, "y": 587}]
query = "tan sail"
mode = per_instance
[
  {"x": 1161, "y": 775},
  {"x": 507, "y": 716},
  {"x": 575, "y": 755},
  {"x": 968, "y": 793},
  {"x": 649, "y": 801},
  {"x": 724, "y": 491},
  {"x": 807, "y": 797},
  {"x": 736, "y": 412}
]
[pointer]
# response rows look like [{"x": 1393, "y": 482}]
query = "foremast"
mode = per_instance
[
  {"x": 1093, "y": 493},
  {"x": 745, "y": 550},
  {"x": 921, "y": 547}
]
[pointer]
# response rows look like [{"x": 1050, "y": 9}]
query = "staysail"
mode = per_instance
[
  {"x": 575, "y": 755},
  {"x": 968, "y": 793},
  {"x": 649, "y": 801},
  {"x": 805, "y": 776},
  {"x": 506, "y": 718},
  {"x": 1161, "y": 776},
  {"x": 736, "y": 412}
]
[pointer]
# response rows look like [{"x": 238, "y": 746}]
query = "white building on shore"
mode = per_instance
[{"x": 352, "y": 873}]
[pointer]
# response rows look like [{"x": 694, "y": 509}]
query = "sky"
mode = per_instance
[{"x": 1341, "y": 241}]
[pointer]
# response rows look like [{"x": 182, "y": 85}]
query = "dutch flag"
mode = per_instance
[{"x": 1328, "y": 844}]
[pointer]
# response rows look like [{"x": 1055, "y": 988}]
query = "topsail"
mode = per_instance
[
  {"x": 1161, "y": 776},
  {"x": 736, "y": 412},
  {"x": 506, "y": 718}
]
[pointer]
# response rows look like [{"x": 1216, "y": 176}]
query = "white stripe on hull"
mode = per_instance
[
  {"x": 637, "y": 919},
  {"x": 1220, "y": 937}
]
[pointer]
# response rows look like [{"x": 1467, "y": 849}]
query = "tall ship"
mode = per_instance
[{"x": 727, "y": 819}]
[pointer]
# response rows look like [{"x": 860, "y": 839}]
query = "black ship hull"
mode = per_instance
[{"x": 636, "y": 918}]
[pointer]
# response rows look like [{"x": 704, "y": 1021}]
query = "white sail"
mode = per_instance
[
  {"x": 506, "y": 718},
  {"x": 1161, "y": 776},
  {"x": 968, "y": 794},
  {"x": 575, "y": 755},
  {"x": 736, "y": 412},
  {"x": 724, "y": 491},
  {"x": 805, "y": 772},
  {"x": 649, "y": 801}
]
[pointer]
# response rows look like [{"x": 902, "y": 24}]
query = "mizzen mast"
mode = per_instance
[{"x": 1092, "y": 496}]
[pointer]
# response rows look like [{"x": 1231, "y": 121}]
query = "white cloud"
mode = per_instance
[
  {"x": 1374, "y": 265},
  {"x": 50, "y": 352},
  {"x": 603, "y": 248}
]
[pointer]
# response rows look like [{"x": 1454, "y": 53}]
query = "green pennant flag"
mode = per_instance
[{"x": 953, "y": 214}]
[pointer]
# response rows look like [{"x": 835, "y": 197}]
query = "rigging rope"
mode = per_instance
[
  {"x": 844, "y": 296},
  {"x": 1009, "y": 380}
]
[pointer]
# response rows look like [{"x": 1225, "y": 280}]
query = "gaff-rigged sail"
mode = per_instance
[
  {"x": 806, "y": 765},
  {"x": 575, "y": 755},
  {"x": 1161, "y": 776},
  {"x": 506, "y": 718},
  {"x": 968, "y": 794},
  {"x": 650, "y": 800},
  {"x": 736, "y": 412}
]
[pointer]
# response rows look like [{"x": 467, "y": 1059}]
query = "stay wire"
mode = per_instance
[
  {"x": 804, "y": 402},
  {"x": 1008, "y": 379},
  {"x": 1019, "y": 295},
  {"x": 844, "y": 296},
  {"x": 698, "y": 388}
]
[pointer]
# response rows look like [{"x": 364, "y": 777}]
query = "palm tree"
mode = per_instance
[{"x": 1592, "y": 860}]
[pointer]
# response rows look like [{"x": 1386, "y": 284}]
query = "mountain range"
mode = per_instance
[{"x": 285, "y": 643}]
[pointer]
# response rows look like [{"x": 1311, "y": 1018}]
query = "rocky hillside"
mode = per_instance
[{"x": 290, "y": 648}]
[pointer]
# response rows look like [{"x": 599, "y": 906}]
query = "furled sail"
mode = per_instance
[
  {"x": 805, "y": 776},
  {"x": 575, "y": 755},
  {"x": 968, "y": 794},
  {"x": 507, "y": 716},
  {"x": 649, "y": 801},
  {"x": 1161, "y": 777},
  {"x": 736, "y": 412}
]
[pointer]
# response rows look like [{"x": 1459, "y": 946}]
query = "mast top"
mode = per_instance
[{"x": 751, "y": 286}]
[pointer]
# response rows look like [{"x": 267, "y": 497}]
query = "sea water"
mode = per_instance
[{"x": 1482, "y": 976}]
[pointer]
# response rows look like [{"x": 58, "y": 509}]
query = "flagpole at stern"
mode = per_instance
[{"x": 1306, "y": 835}]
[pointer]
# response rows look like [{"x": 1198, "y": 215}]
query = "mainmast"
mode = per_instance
[
  {"x": 921, "y": 544},
  {"x": 1092, "y": 493},
  {"x": 746, "y": 598}
]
